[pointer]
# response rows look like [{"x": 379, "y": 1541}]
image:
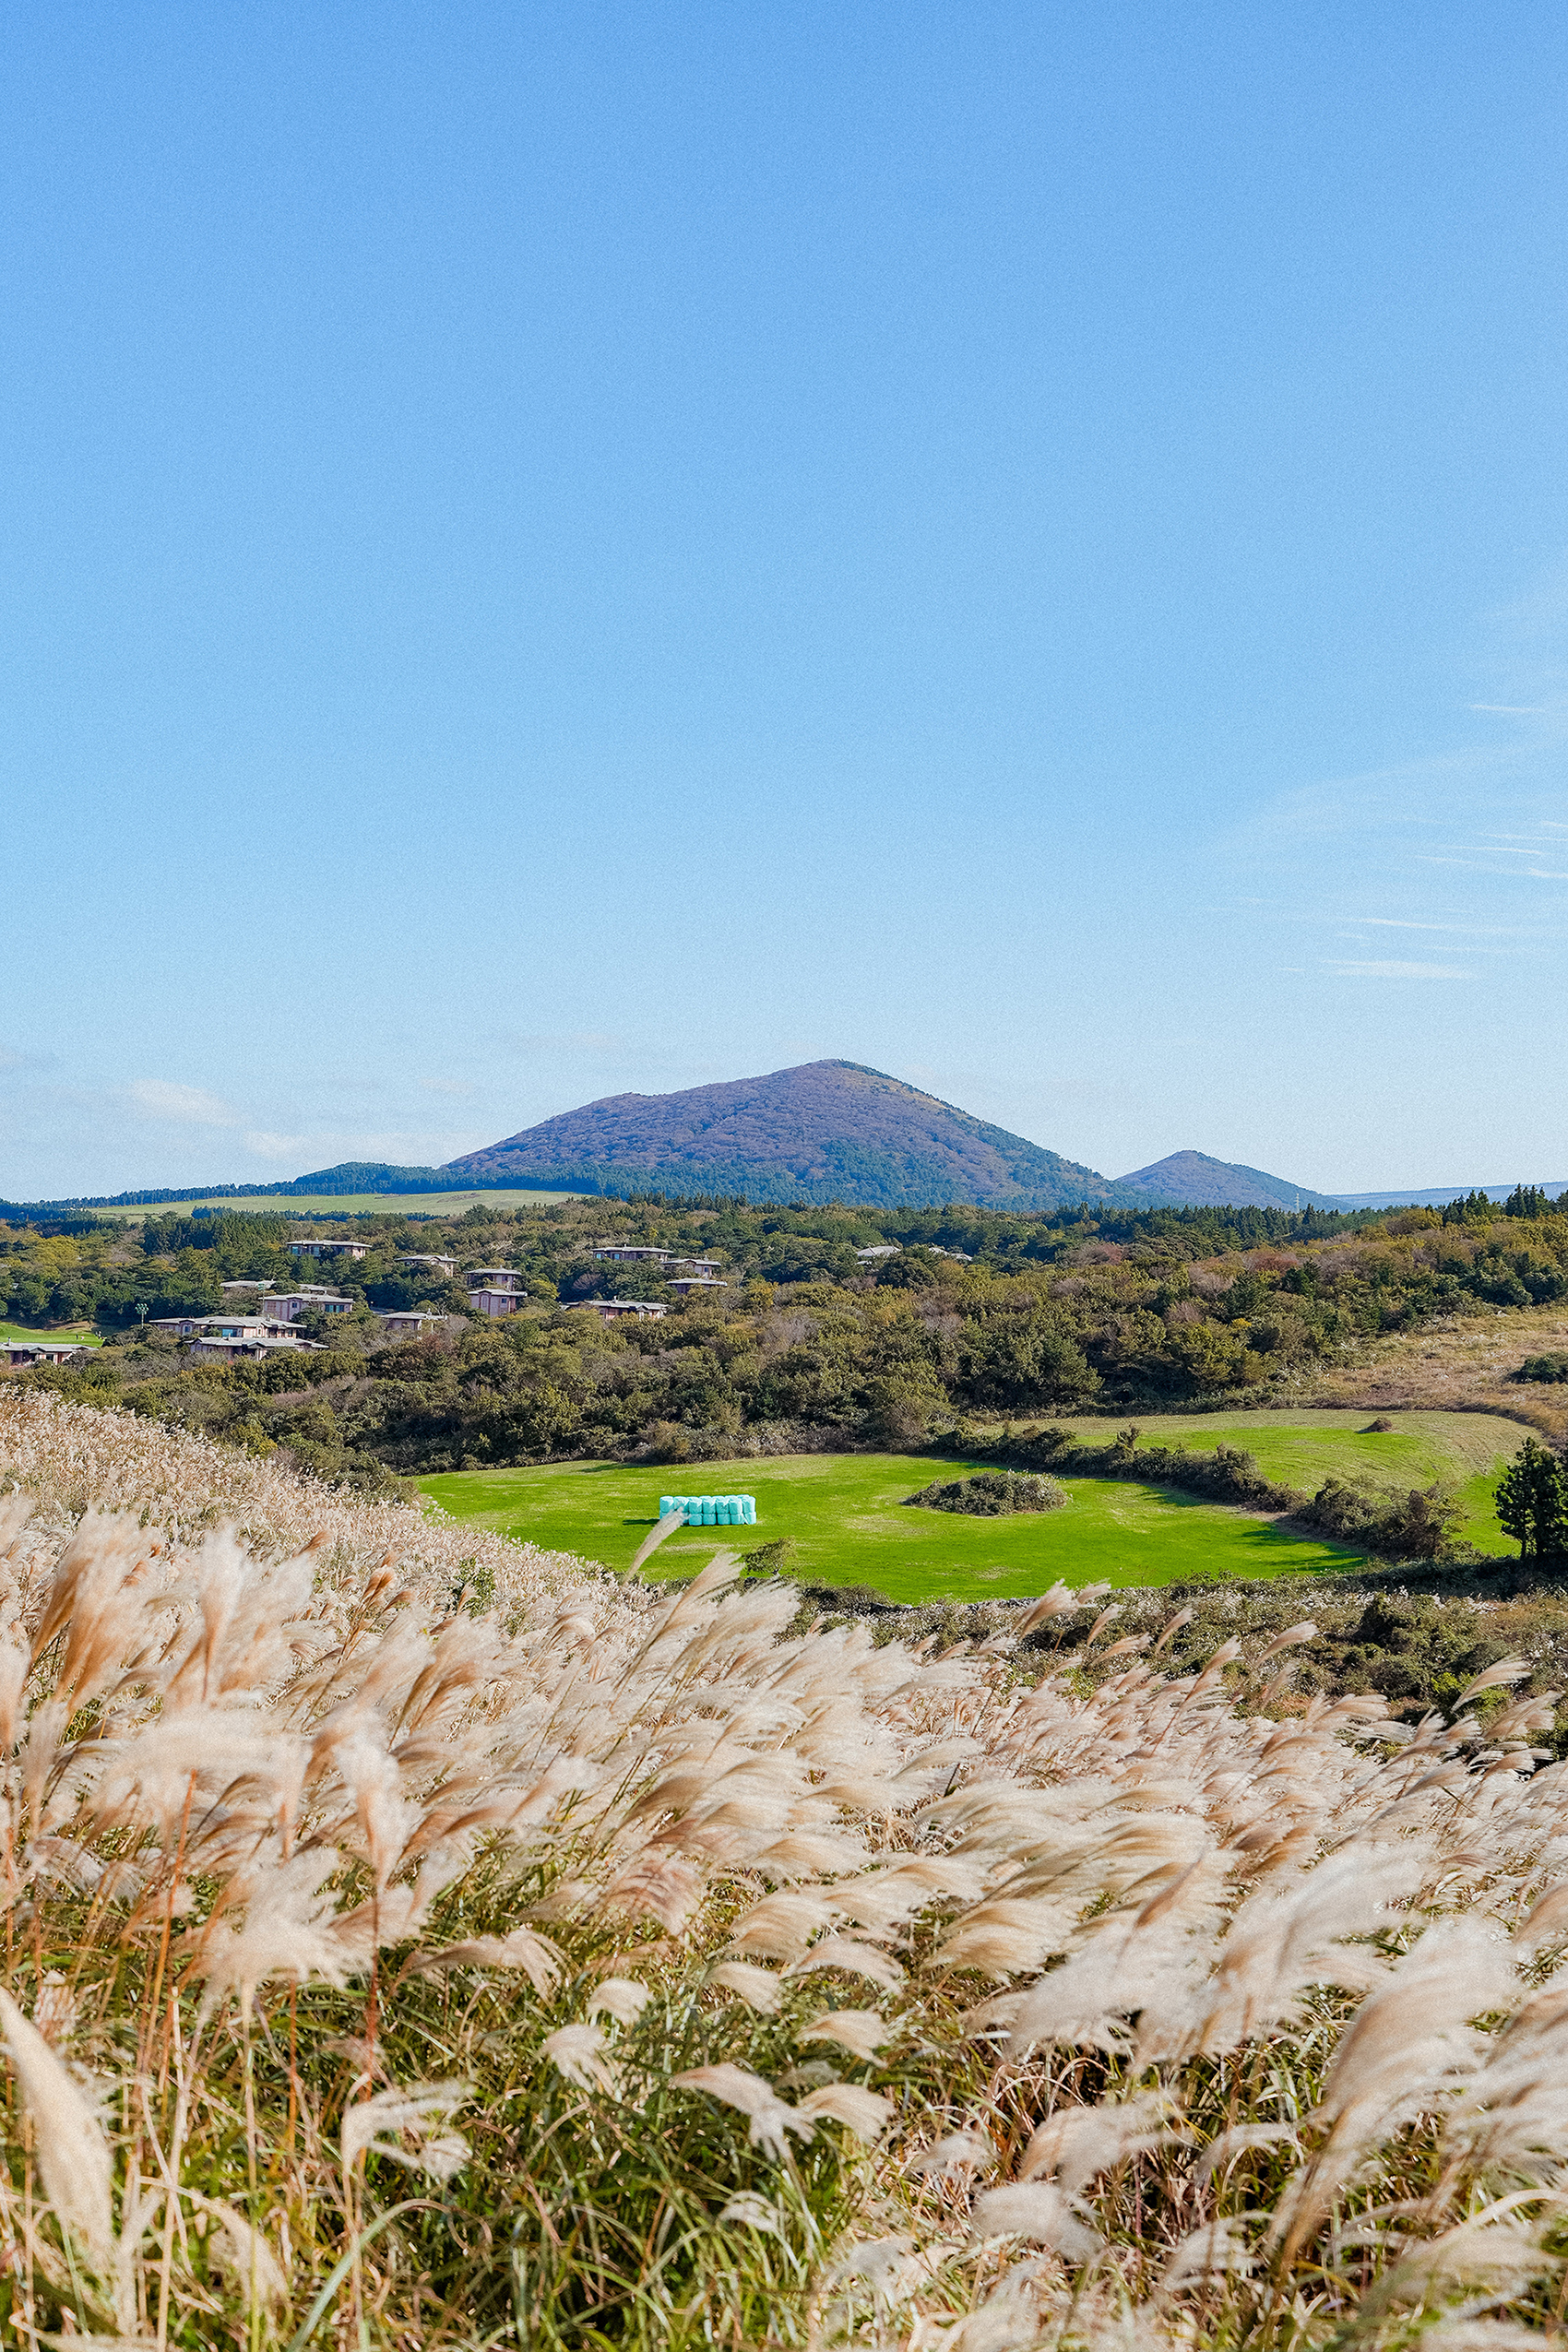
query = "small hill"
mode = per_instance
[
  {"x": 824, "y": 1131},
  {"x": 1191, "y": 1180}
]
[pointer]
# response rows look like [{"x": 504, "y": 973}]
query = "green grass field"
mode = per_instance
[
  {"x": 81, "y": 1334},
  {"x": 1300, "y": 1449},
  {"x": 847, "y": 1515},
  {"x": 319, "y": 1204}
]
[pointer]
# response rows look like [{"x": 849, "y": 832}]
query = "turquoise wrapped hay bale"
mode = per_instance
[{"x": 711, "y": 1509}]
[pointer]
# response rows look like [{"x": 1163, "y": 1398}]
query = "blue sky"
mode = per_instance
[{"x": 557, "y": 549}]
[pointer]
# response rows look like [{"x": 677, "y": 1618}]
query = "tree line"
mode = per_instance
[{"x": 976, "y": 1314}]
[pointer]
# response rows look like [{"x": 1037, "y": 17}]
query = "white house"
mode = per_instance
[
  {"x": 320, "y": 1246},
  {"x": 645, "y": 1310},
  {"x": 20, "y": 1353},
  {"x": 622, "y": 1254},
  {"x": 405, "y": 1323},
  {"x": 683, "y": 1283},
  {"x": 448, "y": 1266}
]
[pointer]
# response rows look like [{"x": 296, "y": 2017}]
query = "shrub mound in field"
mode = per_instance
[
  {"x": 993, "y": 1494},
  {"x": 1542, "y": 1368},
  {"x": 405, "y": 1949}
]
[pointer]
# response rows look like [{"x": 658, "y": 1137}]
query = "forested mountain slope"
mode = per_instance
[
  {"x": 1190, "y": 1179},
  {"x": 824, "y": 1131}
]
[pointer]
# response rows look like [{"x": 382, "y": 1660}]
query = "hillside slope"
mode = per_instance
[
  {"x": 824, "y": 1131},
  {"x": 1191, "y": 1180}
]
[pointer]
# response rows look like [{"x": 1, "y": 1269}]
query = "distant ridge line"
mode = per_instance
[
  {"x": 1441, "y": 1195},
  {"x": 816, "y": 1135}
]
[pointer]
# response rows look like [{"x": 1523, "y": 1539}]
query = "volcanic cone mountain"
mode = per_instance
[
  {"x": 824, "y": 1131},
  {"x": 1191, "y": 1180}
]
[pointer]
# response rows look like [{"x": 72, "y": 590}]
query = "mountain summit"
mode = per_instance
[
  {"x": 824, "y": 1131},
  {"x": 1191, "y": 1180}
]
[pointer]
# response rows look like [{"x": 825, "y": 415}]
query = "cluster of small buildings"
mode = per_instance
[
  {"x": 501, "y": 1290},
  {"x": 273, "y": 1325},
  {"x": 327, "y": 1245},
  {"x": 680, "y": 1275},
  {"x": 697, "y": 1274}
]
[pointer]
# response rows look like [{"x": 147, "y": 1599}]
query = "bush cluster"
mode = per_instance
[{"x": 993, "y": 1494}]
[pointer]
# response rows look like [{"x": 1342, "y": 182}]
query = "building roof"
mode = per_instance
[{"x": 258, "y": 1339}]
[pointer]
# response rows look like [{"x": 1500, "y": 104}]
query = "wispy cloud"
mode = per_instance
[
  {"x": 1399, "y": 923},
  {"x": 1397, "y": 971},
  {"x": 181, "y": 1106},
  {"x": 446, "y": 1086},
  {"x": 266, "y": 1146}
]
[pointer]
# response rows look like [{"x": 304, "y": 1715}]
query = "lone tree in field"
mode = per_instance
[{"x": 1532, "y": 1503}]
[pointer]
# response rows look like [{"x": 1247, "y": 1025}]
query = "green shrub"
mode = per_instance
[
  {"x": 1418, "y": 1526},
  {"x": 993, "y": 1494}
]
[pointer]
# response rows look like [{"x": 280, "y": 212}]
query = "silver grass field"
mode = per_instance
[{"x": 415, "y": 1938}]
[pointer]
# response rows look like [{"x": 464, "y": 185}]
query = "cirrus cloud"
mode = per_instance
[
  {"x": 181, "y": 1106},
  {"x": 1397, "y": 971}
]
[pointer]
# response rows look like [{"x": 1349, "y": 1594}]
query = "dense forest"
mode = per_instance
[{"x": 975, "y": 1316}]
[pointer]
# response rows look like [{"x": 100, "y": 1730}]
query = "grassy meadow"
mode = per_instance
[
  {"x": 849, "y": 1519},
  {"x": 1302, "y": 1449},
  {"x": 81, "y": 1334},
  {"x": 308, "y": 1205},
  {"x": 1459, "y": 1364}
]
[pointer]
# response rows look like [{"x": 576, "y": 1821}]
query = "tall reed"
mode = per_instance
[{"x": 614, "y": 1968}]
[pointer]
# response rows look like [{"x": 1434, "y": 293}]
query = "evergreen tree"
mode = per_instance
[{"x": 1532, "y": 1503}]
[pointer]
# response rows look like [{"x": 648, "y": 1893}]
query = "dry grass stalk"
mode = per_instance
[{"x": 719, "y": 1984}]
